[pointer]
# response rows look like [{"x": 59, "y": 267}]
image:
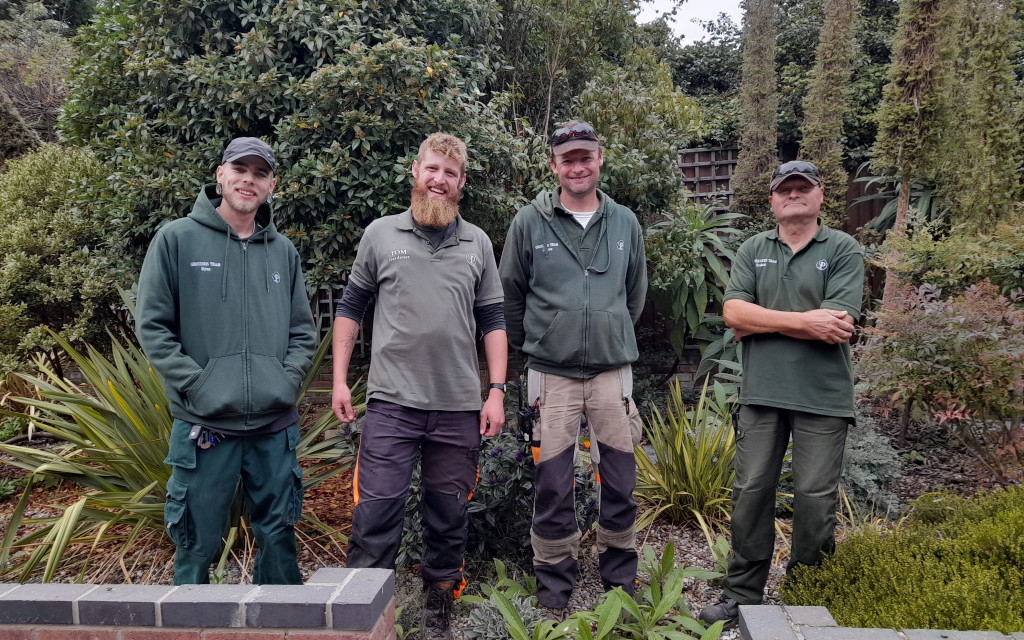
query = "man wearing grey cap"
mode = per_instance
[
  {"x": 794, "y": 295},
  {"x": 575, "y": 279},
  {"x": 223, "y": 316}
]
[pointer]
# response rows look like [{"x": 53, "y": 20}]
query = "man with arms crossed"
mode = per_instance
[
  {"x": 793, "y": 298},
  {"x": 437, "y": 288},
  {"x": 223, "y": 316},
  {"x": 575, "y": 278}
]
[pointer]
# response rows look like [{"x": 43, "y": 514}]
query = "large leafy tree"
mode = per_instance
[{"x": 344, "y": 92}]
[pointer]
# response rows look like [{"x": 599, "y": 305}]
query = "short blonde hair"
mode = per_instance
[{"x": 445, "y": 145}]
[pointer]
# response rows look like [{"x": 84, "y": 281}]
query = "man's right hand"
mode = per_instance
[{"x": 341, "y": 403}]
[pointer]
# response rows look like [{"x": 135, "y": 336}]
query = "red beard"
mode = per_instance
[{"x": 431, "y": 212}]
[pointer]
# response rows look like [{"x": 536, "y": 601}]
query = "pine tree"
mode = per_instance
[
  {"x": 759, "y": 103},
  {"x": 825, "y": 104}
]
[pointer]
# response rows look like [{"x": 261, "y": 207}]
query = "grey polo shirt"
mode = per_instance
[
  {"x": 424, "y": 347},
  {"x": 790, "y": 373}
]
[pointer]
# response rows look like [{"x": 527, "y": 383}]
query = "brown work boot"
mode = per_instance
[{"x": 438, "y": 599}]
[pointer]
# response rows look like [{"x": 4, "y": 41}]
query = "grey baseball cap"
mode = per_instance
[
  {"x": 800, "y": 168},
  {"x": 241, "y": 147}
]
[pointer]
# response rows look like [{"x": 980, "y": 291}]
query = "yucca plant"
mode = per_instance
[
  {"x": 690, "y": 478},
  {"x": 116, "y": 427}
]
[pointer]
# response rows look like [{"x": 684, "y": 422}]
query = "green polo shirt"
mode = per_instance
[
  {"x": 790, "y": 373},
  {"x": 424, "y": 352}
]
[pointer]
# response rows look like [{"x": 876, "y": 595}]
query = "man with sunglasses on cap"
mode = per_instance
[
  {"x": 223, "y": 316},
  {"x": 575, "y": 279},
  {"x": 793, "y": 297}
]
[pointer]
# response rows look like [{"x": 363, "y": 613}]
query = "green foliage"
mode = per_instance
[
  {"x": 116, "y": 429},
  {"x": 16, "y": 137},
  {"x": 642, "y": 119},
  {"x": 954, "y": 564},
  {"x": 825, "y": 104},
  {"x": 959, "y": 258},
  {"x": 759, "y": 107},
  {"x": 687, "y": 255},
  {"x": 8, "y": 488},
  {"x": 34, "y": 56},
  {"x": 552, "y": 48},
  {"x": 12, "y": 426},
  {"x": 50, "y": 278},
  {"x": 343, "y": 92},
  {"x": 983, "y": 179},
  {"x": 486, "y": 622},
  {"x": 962, "y": 351},
  {"x": 871, "y": 468},
  {"x": 658, "y": 610},
  {"x": 690, "y": 476}
]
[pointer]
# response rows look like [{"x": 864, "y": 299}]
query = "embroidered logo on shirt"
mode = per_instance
[
  {"x": 822, "y": 265},
  {"x": 761, "y": 263},
  {"x": 398, "y": 254},
  {"x": 204, "y": 265},
  {"x": 471, "y": 258},
  {"x": 620, "y": 244},
  {"x": 276, "y": 277},
  {"x": 545, "y": 247}
]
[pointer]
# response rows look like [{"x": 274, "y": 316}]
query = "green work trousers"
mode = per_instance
[
  {"x": 762, "y": 435},
  {"x": 202, "y": 487}
]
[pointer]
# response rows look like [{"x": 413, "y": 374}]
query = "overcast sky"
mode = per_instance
[{"x": 692, "y": 9}]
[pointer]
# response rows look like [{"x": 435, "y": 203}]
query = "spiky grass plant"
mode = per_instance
[
  {"x": 690, "y": 476},
  {"x": 115, "y": 429}
]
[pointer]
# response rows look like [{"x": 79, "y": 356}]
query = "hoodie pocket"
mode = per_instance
[
  {"x": 272, "y": 387},
  {"x": 563, "y": 338},
  {"x": 220, "y": 389}
]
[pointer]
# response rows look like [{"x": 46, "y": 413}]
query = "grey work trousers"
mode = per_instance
[{"x": 762, "y": 435}]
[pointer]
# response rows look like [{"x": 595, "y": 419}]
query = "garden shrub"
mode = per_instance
[
  {"x": 961, "y": 357},
  {"x": 953, "y": 564},
  {"x": 956, "y": 260},
  {"x": 50, "y": 276}
]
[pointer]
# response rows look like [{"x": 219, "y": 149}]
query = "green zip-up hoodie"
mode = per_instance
[
  {"x": 225, "y": 321},
  {"x": 570, "y": 311}
]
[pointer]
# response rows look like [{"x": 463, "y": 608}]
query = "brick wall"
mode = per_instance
[{"x": 349, "y": 604}]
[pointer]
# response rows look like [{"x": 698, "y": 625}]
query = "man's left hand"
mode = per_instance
[{"x": 492, "y": 416}]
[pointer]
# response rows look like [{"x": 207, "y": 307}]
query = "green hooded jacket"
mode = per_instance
[
  {"x": 225, "y": 321},
  {"x": 571, "y": 311}
]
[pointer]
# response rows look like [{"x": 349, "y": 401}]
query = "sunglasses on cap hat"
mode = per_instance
[
  {"x": 574, "y": 135},
  {"x": 796, "y": 168}
]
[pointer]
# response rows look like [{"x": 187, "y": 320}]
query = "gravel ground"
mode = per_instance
[{"x": 691, "y": 549}]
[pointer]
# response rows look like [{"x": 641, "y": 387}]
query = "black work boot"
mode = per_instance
[
  {"x": 727, "y": 610},
  {"x": 438, "y": 599}
]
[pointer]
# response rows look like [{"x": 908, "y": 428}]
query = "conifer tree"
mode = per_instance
[
  {"x": 759, "y": 103},
  {"x": 825, "y": 104},
  {"x": 983, "y": 177},
  {"x": 913, "y": 114}
]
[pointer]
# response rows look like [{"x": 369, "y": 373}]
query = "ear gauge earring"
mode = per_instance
[
  {"x": 219, "y": 189},
  {"x": 270, "y": 198}
]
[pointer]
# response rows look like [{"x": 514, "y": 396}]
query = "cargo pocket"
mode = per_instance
[
  {"x": 636, "y": 425},
  {"x": 176, "y": 521}
]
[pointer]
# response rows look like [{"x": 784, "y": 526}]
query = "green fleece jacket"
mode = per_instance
[
  {"x": 571, "y": 299},
  {"x": 225, "y": 321}
]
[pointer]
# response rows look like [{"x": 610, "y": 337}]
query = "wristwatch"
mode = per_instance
[{"x": 497, "y": 385}]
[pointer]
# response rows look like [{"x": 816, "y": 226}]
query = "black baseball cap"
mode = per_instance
[
  {"x": 241, "y": 147},
  {"x": 801, "y": 168}
]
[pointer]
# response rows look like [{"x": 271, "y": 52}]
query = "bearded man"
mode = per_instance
[{"x": 437, "y": 289}]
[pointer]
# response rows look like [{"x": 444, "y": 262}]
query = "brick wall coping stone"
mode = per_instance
[
  {"x": 767, "y": 622},
  {"x": 344, "y": 599}
]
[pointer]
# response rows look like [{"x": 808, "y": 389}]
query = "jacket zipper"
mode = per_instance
[{"x": 245, "y": 331}]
